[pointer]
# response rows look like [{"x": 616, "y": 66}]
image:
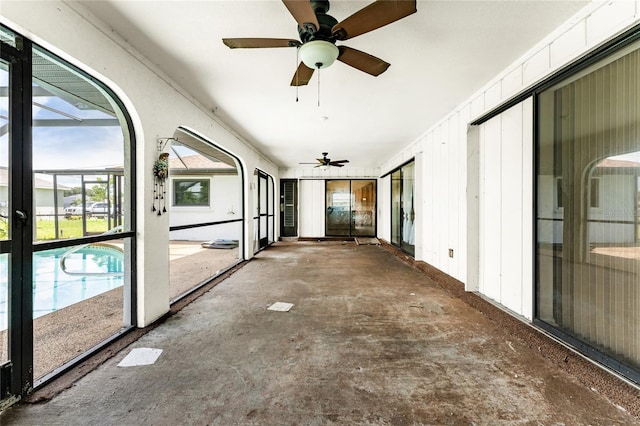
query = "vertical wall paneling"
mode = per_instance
[
  {"x": 311, "y": 208},
  {"x": 444, "y": 227},
  {"x": 417, "y": 199},
  {"x": 482, "y": 130},
  {"x": 527, "y": 209},
  {"x": 472, "y": 281},
  {"x": 384, "y": 203},
  {"x": 505, "y": 209},
  {"x": 443, "y": 199},
  {"x": 491, "y": 210},
  {"x": 438, "y": 190},
  {"x": 607, "y": 19},
  {"x": 453, "y": 166},
  {"x": 511, "y": 209},
  {"x": 427, "y": 202},
  {"x": 463, "y": 120}
]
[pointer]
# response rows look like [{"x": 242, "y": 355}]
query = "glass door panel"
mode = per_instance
[
  {"x": 363, "y": 209},
  {"x": 403, "y": 208},
  {"x": 4, "y": 212},
  {"x": 4, "y": 307},
  {"x": 408, "y": 209},
  {"x": 4, "y": 205},
  {"x": 4, "y": 151},
  {"x": 338, "y": 214},
  {"x": 78, "y": 155},
  {"x": 351, "y": 208}
]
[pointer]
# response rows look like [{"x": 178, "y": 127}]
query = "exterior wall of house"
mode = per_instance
[
  {"x": 477, "y": 183},
  {"x": 157, "y": 107},
  {"x": 506, "y": 210},
  {"x": 225, "y": 204},
  {"x": 44, "y": 202}
]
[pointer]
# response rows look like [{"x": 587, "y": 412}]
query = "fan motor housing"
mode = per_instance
[{"x": 326, "y": 24}]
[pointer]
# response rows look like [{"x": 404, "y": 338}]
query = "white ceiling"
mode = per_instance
[{"x": 439, "y": 56}]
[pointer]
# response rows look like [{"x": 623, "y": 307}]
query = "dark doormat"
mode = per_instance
[{"x": 367, "y": 241}]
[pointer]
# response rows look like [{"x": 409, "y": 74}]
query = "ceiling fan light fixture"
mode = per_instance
[{"x": 318, "y": 54}]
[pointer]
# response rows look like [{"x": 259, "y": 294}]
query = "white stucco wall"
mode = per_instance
[
  {"x": 157, "y": 107},
  {"x": 505, "y": 271}
]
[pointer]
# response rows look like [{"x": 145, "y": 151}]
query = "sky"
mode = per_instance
[{"x": 68, "y": 147}]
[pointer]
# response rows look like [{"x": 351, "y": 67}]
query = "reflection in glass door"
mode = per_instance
[
  {"x": 403, "y": 208},
  {"x": 4, "y": 215},
  {"x": 338, "y": 221},
  {"x": 351, "y": 208}
]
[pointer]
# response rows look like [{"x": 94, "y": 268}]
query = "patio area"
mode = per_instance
[{"x": 68, "y": 332}]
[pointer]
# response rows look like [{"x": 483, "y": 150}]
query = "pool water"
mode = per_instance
[{"x": 90, "y": 271}]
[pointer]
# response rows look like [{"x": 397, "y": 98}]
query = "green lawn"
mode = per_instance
[{"x": 69, "y": 228}]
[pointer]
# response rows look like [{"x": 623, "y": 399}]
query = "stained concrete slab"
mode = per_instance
[{"x": 370, "y": 341}]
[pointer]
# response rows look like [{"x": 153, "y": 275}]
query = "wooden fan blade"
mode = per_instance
[
  {"x": 374, "y": 16},
  {"x": 362, "y": 61},
  {"x": 334, "y": 163},
  {"x": 257, "y": 43},
  {"x": 302, "y": 76},
  {"x": 303, "y": 13}
]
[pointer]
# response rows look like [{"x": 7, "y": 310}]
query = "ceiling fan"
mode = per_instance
[
  {"x": 319, "y": 33},
  {"x": 325, "y": 162}
]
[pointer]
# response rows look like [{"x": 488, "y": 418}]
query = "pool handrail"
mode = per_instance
[{"x": 63, "y": 258}]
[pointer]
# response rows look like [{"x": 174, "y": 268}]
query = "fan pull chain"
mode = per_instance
[
  {"x": 296, "y": 68},
  {"x": 318, "y": 87}
]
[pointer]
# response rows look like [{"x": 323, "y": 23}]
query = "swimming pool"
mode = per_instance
[{"x": 88, "y": 271}]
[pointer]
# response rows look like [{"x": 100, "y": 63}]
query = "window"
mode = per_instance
[
  {"x": 587, "y": 239},
  {"x": 191, "y": 192}
]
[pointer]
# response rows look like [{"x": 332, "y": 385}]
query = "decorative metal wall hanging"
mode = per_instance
[{"x": 160, "y": 174}]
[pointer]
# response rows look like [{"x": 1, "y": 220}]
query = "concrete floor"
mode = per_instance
[{"x": 369, "y": 341}]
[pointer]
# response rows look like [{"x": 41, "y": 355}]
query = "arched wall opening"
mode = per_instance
[
  {"x": 67, "y": 246},
  {"x": 204, "y": 197}
]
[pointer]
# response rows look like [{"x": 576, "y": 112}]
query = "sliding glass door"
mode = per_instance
[
  {"x": 351, "y": 208},
  {"x": 403, "y": 208},
  {"x": 588, "y": 171}
]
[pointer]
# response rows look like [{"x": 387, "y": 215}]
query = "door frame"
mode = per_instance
[{"x": 16, "y": 375}]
